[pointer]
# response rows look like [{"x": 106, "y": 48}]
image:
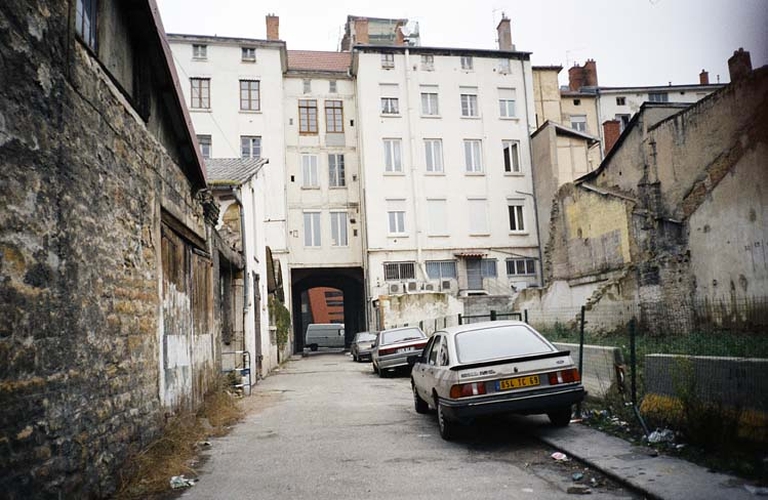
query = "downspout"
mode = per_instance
[
  {"x": 414, "y": 191},
  {"x": 246, "y": 272},
  {"x": 533, "y": 179}
]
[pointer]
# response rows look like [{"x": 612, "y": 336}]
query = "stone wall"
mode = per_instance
[
  {"x": 83, "y": 186},
  {"x": 601, "y": 367}
]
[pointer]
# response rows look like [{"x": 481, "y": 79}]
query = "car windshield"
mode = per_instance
[
  {"x": 399, "y": 335},
  {"x": 362, "y": 337},
  {"x": 499, "y": 342}
]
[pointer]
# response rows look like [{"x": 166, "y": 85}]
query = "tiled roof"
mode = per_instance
[
  {"x": 232, "y": 171},
  {"x": 311, "y": 60}
]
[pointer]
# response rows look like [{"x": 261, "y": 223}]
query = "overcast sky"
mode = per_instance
[{"x": 635, "y": 42}]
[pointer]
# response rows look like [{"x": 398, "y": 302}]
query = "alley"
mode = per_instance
[{"x": 325, "y": 427}]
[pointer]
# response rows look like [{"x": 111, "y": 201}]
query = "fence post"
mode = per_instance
[
  {"x": 526, "y": 315},
  {"x": 493, "y": 315},
  {"x": 460, "y": 323},
  {"x": 581, "y": 355},
  {"x": 632, "y": 359}
]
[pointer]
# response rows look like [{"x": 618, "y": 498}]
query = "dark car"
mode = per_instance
[{"x": 361, "y": 346}]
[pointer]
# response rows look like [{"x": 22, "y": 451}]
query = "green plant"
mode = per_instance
[{"x": 281, "y": 318}]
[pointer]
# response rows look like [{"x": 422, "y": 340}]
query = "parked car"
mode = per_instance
[
  {"x": 324, "y": 335},
  {"x": 490, "y": 368},
  {"x": 392, "y": 347},
  {"x": 361, "y": 345}
]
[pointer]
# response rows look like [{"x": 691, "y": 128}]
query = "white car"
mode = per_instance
[
  {"x": 392, "y": 347},
  {"x": 490, "y": 368}
]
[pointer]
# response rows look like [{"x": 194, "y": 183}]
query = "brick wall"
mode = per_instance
[{"x": 83, "y": 184}]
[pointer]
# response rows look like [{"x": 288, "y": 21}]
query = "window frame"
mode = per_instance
[
  {"x": 203, "y": 101},
  {"x": 313, "y": 230},
  {"x": 467, "y": 63},
  {"x": 334, "y": 116},
  {"x": 476, "y": 166},
  {"x": 338, "y": 227},
  {"x": 387, "y": 61},
  {"x": 442, "y": 265},
  {"x": 206, "y": 144},
  {"x": 399, "y": 271},
  {"x": 250, "y": 100},
  {"x": 516, "y": 216},
  {"x": 307, "y": 119},
  {"x": 430, "y": 147},
  {"x": 513, "y": 264},
  {"x": 396, "y": 222},
  {"x": 432, "y": 108},
  {"x": 390, "y": 106},
  {"x": 251, "y": 139},
  {"x": 310, "y": 178},
  {"x": 86, "y": 27},
  {"x": 245, "y": 54},
  {"x": 336, "y": 171},
  {"x": 511, "y": 161},
  {"x": 199, "y": 51},
  {"x": 579, "y": 122},
  {"x": 393, "y": 150},
  {"x": 427, "y": 62},
  {"x": 472, "y": 108}
]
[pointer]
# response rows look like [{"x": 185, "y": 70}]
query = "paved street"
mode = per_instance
[{"x": 326, "y": 427}]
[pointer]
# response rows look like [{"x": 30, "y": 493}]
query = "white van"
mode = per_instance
[{"x": 324, "y": 335}]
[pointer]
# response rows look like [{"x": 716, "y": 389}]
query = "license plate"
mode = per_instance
[
  {"x": 516, "y": 383},
  {"x": 406, "y": 349}
]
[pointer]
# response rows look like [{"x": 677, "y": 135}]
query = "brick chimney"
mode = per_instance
[
  {"x": 361, "y": 31},
  {"x": 575, "y": 77},
  {"x": 399, "y": 38},
  {"x": 273, "y": 27},
  {"x": 703, "y": 78},
  {"x": 590, "y": 73},
  {"x": 739, "y": 64},
  {"x": 505, "y": 34},
  {"x": 611, "y": 133}
]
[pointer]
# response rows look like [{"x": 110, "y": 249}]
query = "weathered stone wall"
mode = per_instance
[
  {"x": 600, "y": 369},
  {"x": 82, "y": 187}
]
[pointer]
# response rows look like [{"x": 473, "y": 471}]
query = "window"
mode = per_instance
[
  {"x": 521, "y": 267},
  {"x": 488, "y": 268},
  {"x": 339, "y": 229},
  {"x": 199, "y": 51},
  {"x": 250, "y": 146},
  {"x": 504, "y": 66},
  {"x": 473, "y": 157},
  {"x": 510, "y": 150},
  {"x": 392, "y": 158},
  {"x": 85, "y": 21},
  {"x": 441, "y": 269},
  {"x": 390, "y": 106},
  {"x": 332, "y": 87},
  {"x": 336, "y": 170},
  {"x": 579, "y": 122},
  {"x": 469, "y": 102},
  {"x": 621, "y": 101},
  {"x": 387, "y": 61},
  {"x": 623, "y": 119},
  {"x": 311, "y": 229},
  {"x": 577, "y": 102},
  {"x": 429, "y": 101},
  {"x": 306, "y": 85},
  {"x": 334, "y": 117},
  {"x": 396, "y": 219},
  {"x": 507, "y": 103},
  {"x": 395, "y": 271},
  {"x": 428, "y": 62},
  {"x": 438, "y": 222},
  {"x": 248, "y": 54},
  {"x": 307, "y": 116},
  {"x": 658, "y": 97},
  {"x": 309, "y": 171},
  {"x": 201, "y": 93},
  {"x": 250, "y": 95},
  {"x": 478, "y": 216},
  {"x": 466, "y": 62},
  {"x": 205, "y": 145},
  {"x": 516, "y": 217},
  {"x": 434, "y": 154}
]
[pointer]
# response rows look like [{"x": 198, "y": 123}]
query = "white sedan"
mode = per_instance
[
  {"x": 392, "y": 348},
  {"x": 493, "y": 368}
]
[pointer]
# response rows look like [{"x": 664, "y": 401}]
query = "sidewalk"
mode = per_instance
[{"x": 658, "y": 477}]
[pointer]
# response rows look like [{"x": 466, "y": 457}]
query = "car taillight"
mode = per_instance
[
  {"x": 564, "y": 376},
  {"x": 384, "y": 352},
  {"x": 466, "y": 390}
]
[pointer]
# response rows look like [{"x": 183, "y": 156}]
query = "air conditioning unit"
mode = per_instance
[
  {"x": 429, "y": 287},
  {"x": 394, "y": 288},
  {"x": 412, "y": 286},
  {"x": 445, "y": 285}
]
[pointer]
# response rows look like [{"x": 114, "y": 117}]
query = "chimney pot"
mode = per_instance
[
  {"x": 273, "y": 27},
  {"x": 505, "y": 34},
  {"x": 739, "y": 64},
  {"x": 703, "y": 78}
]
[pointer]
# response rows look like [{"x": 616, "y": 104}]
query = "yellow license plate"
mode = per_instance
[{"x": 516, "y": 383}]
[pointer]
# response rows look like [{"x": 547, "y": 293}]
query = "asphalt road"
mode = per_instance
[{"x": 325, "y": 427}]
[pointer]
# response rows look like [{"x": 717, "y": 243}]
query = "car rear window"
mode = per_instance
[
  {"x": 499, "y": 342},
  {"x": 398, "y": 335},
  {"x": 366, "y": 336}
]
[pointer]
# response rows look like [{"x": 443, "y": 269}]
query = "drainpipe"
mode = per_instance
[
  {"x": 533, "y": 180},
  {"x": 246, "y": 280}
]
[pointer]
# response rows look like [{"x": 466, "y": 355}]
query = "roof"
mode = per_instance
[
  {"x": 232, "y": 171},
  {"x": 547, "y": 68},
  {"x": 563, "y": 130},
  {"x": 444, "y": 51},
  {"x": 315, "y": 60}
]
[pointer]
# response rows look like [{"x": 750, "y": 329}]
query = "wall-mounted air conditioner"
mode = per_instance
[
  {"x": 394, "y": 288},
  {"x": 445, "y": 285},
  {"x": 412, "y": 286}
]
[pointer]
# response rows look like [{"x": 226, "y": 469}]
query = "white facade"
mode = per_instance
[
  {"x": 432, "y": 147},
  {"x": 224, "y": 63},
  {"x": 323, "y": 180}
]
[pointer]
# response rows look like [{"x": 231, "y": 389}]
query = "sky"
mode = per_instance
[{"x": 634, "y": 42}]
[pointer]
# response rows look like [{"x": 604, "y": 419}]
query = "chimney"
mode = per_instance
[
  {"x": 575, "y": 78},
  {"x": 273, "y": 27},
  {"x": 361, "y": 31},
  {"x": 739, "y": 65},
  {"x": 611, "y": 133},
  {"x": 590, "y": 73},
  {"x": 505, "y": 34},
  {"x": 399, "y": 38},
  {"x": 703, "y": 78}
]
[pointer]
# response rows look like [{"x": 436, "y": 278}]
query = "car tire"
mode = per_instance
[
  {"x": 446, "y": 426},
  {"x": 354, "y": 358},
  {"x": 419, "y": 404},
  {"x": 375, "y": 368},
  {"x": 313, "y": 347},
  {"x": 560, "y": 417}
]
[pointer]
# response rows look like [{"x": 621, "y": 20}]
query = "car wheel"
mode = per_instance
[
  {"x": 446, "y": 426},
  {"x": 419, "y": 404},
  {"x": 375, "y": 368},
  {"x": 561, "y": 417},
  {"x": 354, "y": 358},
  {"x": 313, "y": 347}
]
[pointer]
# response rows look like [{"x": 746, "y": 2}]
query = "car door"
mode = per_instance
[
  {"x": 420, "y": 369},
  {"x": 431, "y": 368}
]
